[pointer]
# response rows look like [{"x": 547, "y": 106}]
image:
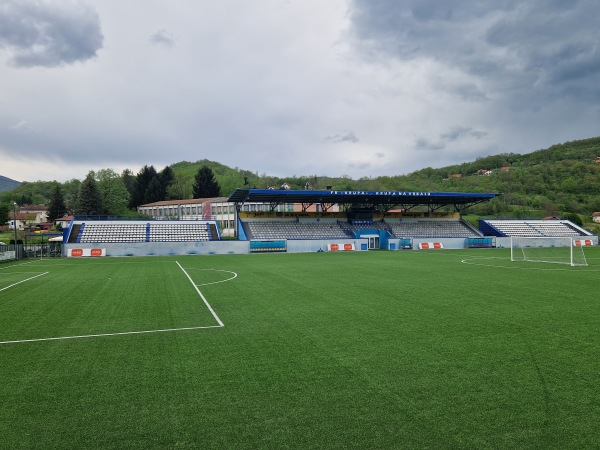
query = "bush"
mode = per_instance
[{"x": 575, "y": 219}]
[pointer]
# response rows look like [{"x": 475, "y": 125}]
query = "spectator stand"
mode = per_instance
[{"x": 364, "y": 216}]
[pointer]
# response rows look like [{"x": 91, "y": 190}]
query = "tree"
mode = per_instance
[
  {"x": 180, "y": 189},
  {"x": 26, "y": 199},
  {"x": 205, "y": 185},
  {"x": 141, "y": 183},
  {"x": 128, "y": 180},
  {"x": 4, "y": 209},
  {"x": 166, "y": 178},
  {"x": 113, "y": 192},
  {"x": 89, "y": 201},
  {"x": 154, "y": 191},
  {"x": 56, "y": 205},
  {"x": 575, "y": 218},
  {"x": 70, "y": 190}
]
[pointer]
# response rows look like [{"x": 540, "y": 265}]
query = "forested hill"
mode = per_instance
[
  {"x": 6, "y": 184},
  {"x": 562, "y": 179}
]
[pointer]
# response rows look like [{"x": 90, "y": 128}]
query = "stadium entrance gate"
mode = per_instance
[{"x": 373, "y": 240}]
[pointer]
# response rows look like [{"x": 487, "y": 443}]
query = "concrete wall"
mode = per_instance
[
  {"x": 504, "y": 242},
  {"x": 446, "y": 242},
  {"x": 243, "y": 247},
  {"x": 208, "y": 248},
  {"x": 300, "y": 246},
  {"x": 168, "y": 248}
]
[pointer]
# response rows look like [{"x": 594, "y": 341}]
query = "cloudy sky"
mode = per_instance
[{"x": 291, "y": 87}]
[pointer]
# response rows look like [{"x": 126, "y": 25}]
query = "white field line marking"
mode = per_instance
[
  {"x": 19, "y": 273},
  {"x": 217, "y": 282},
  {"x": 123, "y": 333},
  {"x": 570, "y": 269},
  {"x": 23, "y": 281},
  {"x": 16, "y": 265},
  {"x": 201, "y": 296},
  {"x": 62, "y": 338}
]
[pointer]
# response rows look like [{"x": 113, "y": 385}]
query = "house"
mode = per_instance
[
  {"x": 23, "y": 220},
  {"x": 63, "y": 221},
  {"x": 596, "y": 217},
  {"x": 484, "y": 172},
  {"x": 505, "y": 169},
  {"x": 40, "y": 212},
  {"x": 456, "y": 175},
  {"x": 28, "y": 216},
  {"x": 598, "y": 159}
]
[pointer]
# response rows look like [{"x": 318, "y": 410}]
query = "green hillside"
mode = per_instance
[
  {"x": 559, "y": 180},
  {"x": 563, "y": 178}
]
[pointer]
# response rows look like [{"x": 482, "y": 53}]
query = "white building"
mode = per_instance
[
  {"x": 28, "y": 216},
  {"x": 217, "y": 208}
]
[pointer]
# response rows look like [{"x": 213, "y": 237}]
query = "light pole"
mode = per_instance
[{"x": 15, "y": 228}]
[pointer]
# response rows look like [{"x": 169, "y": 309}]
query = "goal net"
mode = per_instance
[{"x": 557, "y": 250}]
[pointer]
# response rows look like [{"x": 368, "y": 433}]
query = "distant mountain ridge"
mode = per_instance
[{"x": 6, "y": 184}]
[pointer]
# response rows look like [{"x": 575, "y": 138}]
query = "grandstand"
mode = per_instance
[
  {"x": 273, "y": 229},
  {"x": 434, "y": 228},
  {"x": 141, "y": 231},
  {"x": 320, "y": 228},
  {"x": 532, "y": 228},
  {"x": 342, "y": 220}
]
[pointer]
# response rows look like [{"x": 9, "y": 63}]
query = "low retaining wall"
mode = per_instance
[
  {"x": 243, "y": 247},
  {"x": 300, "y": 246},
  {"x": 204, "y": 247},
  {"x": 446, "y": 242},
  {"x": 167, "y": 248}
]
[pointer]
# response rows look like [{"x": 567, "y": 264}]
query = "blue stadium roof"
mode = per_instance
[{"x": 374, "y": 199}]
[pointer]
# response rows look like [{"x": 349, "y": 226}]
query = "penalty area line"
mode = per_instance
[
  {"x": 23, "y": 281},
  {"x": 83, "y": 336}
]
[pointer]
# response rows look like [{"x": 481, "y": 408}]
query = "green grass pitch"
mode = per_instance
[{"x": 406, "y": 349}]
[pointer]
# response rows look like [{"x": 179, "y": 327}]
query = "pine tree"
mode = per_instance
[
  {"x": 166, "y": 178},
  {"x": 56, "y": 206},
  {"x": 128, "y": 180},
  {"x": 4, "y": 209},
  {"x": 154, "y": 191},
  {"x": 205, "y": 185},
  {"x": 89, "y": 201},
  {"x": 140, "y": 187}
]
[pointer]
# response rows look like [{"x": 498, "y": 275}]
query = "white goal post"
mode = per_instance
[{"x": 556, "y": 250}]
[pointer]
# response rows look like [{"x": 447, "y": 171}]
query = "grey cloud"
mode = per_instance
[
  {"x": 470, "y": 92},
  {"x": 162, "y": 38},
  {"x": 347, "y": 137},
  {"x": 48, "y": 33},
  {"x": 514, "y": 47},
  {"x": 460, "y": 132},
  {"x": 453, "y": 135},
  {"x": 426, "y": 144},
  {"x": 362, "y": 166}
]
